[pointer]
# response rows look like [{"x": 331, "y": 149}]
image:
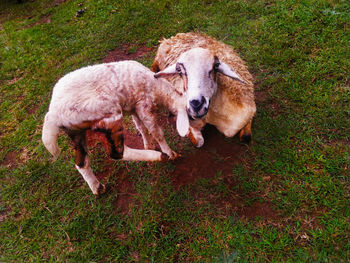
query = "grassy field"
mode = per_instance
[{"x": 284, "y": 198}]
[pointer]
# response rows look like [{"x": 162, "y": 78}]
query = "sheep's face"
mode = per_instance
[
  {"x": 198, "y": 68},
  {"x": 199, "y": 79}
]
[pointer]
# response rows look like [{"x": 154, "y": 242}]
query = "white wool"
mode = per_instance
[
  {"x": 101, "y": 93},
  {"x": 228, "y": 97}
]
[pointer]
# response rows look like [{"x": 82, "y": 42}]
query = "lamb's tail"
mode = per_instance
[{"x": 49, "y": 135}]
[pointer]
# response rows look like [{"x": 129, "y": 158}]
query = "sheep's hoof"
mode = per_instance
[
  {"x": 174, "y": 155},
  {"x": 164, "y": 157},
  {"x": 196, "y": 141},
  {"x": 100, "y": 190},
  {"x": 246, "y": 138},
  {"x": 200, "y": 142}
]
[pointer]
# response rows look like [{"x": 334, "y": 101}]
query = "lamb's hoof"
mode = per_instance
[
  {"x": 246, "y": 138},
  {"x": 116, "y": 155},
  {"x": 174, "y": 155},
  {"x": 164, "y": 157},
  {"x": 100, "y": 190}
]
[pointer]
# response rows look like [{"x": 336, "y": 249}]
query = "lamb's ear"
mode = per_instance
[
  {"x": 225, "y": 69},
  {"x": 182, "y": 122},
  {"x": 171, "y": 70}
]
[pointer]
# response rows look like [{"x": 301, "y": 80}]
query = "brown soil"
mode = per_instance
[
  {"x": 260, "y": 96},
  {"x": 125, "y": 53},
  {"x": 124, "y": 186},
  {"x": 217, "y": 154},
  {"x": 32, "y": 109},
  {"x": 258, "y": 209},
  {"x": 58, "y": 2},
  {"x": 43, "y": 20},
  {"x": 125, "y": 193},
  {"x": 11, "y": 160}
]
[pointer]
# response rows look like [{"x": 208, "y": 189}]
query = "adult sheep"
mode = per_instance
[{"x": 191, "y": 62}]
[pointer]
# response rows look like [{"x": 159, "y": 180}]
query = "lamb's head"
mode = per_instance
[
  {"x": 198, "y": 68},
  {"x": 175, "y": 102}
]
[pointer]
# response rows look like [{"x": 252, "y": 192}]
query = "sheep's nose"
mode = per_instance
[{"x": 197, "y": 104}]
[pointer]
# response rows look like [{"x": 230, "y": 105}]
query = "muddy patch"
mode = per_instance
[
  {"x": 99, "y": 146},
  {"x": 11, "y": 160},
  {"x": 258, "y": 209},
  {"x": 126, "y": 193},
  {"x": 133, "y": 140},
  {"x": 127, "y": 52},
  {"x": 43, "y": 20},
  {"x": 32, "y": 109},
  {"x": 122, "y": 184},
  {"x": 218, "y": 155},
  {"x": 3, "y": 216},
  {"x": 212, "y": 164},
  {"x": 260, "y": 96}
]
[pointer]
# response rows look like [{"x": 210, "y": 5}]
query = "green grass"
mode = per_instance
[{"x": 296, "y": 172}]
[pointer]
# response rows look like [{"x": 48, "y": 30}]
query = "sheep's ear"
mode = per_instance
[
  {"x": 169, "y": 71},
  {"x": 182, "y": 122},
  {"x": 223, "y": 68}
]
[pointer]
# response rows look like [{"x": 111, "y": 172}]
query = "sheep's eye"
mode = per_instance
[
  {"x": 216, "y": 66},
  {"x": 178, "y": 68}
]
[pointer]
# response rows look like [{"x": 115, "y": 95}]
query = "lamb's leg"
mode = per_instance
[
  {"x": 113, "y": 128},
  {"x": 145, "y": 114},
  {"x": 195, "y": 134},
  {"x": 245, "y": 135},
  {"x": 148, "y": 142},
  {"x": 82, "y": 161},
  {"x": 143, "y": 155}
]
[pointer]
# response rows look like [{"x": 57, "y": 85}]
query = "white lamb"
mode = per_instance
[
  {"x": 94, "y": 98},
  {"x": 209, "y": 72}
]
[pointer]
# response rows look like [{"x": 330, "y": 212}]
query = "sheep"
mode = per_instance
[
  {"x": 191, "y": 61},
  {"x": 94, "y": 98}
]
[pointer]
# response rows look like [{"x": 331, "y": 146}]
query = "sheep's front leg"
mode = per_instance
[
  {"x": 82, "y": 161},
  {"x": 113, "y": 128},
  {"x": 145, "y": 114},
  {"x": 148, "y": 142},
  {"x": 195, "y": 134}
]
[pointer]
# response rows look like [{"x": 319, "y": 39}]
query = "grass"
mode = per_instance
[{"x": 285, "y": 199}]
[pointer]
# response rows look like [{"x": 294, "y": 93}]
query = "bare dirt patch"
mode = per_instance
[
  {"x": 45, "y": 19},
  {"x": 218, "y": 154},
  {"x": 258, "y": 209},
  {"x": 31, "y": 109},
  {"x": 125, "y": 193},
  {"x": 260, "y": 96},
  {"x": 58, "y": 2},
  {"x": 124, "y": 186},
  {"x": 11, "y": 160},
  {"x": 213, "y": 162},
  {"x": 127, "y": 52}
]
